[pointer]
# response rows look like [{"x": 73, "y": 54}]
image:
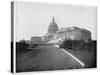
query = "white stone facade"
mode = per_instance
[{"x": 73, "y": 33}]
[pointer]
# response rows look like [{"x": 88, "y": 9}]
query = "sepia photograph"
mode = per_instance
[{"x": 52, "y": 36}]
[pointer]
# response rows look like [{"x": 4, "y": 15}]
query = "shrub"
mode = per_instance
[{"x": 78, "y": 45}]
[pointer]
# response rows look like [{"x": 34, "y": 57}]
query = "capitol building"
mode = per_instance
[{"x": 69, "y": 33}]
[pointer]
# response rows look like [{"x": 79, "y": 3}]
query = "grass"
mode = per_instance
[
  {"x": 87, "y": 57},
  {"x": 85, "y": 51}
]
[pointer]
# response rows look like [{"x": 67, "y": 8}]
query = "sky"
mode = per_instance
[{"x": 33, "y": 19}]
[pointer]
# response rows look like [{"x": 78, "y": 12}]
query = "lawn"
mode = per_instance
[
  {"x": 84, "y": 51},
  {"x": 86, "y": 56}
]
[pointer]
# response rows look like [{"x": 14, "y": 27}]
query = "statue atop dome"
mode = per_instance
[{"x": 53, "y": 19}]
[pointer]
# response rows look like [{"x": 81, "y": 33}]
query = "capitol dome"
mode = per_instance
[{"x": 52, "y": 27}]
